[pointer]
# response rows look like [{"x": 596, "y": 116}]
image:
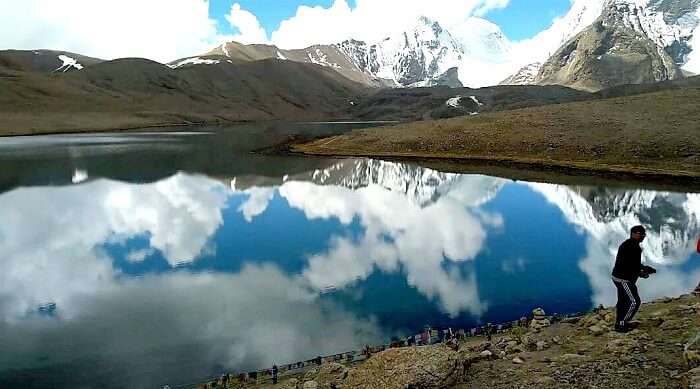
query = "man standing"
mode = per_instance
[{"x": 628, "y": 268}]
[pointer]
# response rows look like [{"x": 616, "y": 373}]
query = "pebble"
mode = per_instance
[
  {"x": 310, "y": 385},
  {"x": 518, "y": 361}
]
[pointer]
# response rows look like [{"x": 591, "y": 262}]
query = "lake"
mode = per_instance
[{"x": 150, "y": 258}]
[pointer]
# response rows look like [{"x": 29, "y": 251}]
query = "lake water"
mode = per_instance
[{"x": 145, "y": 259}]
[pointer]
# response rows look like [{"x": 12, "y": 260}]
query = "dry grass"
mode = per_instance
[{"x": 656, "y": 133}]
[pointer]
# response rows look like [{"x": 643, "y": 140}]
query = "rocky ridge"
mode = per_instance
[{"x": 632, "y": 42}]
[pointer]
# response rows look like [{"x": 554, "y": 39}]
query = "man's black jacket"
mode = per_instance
[{"x": 628, "y": 265}]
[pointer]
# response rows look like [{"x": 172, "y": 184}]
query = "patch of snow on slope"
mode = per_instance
[
  {"x": 68, "y": 63},
  {"x": 281, "y": 56},
  {"x": 454, "y": 102},
  {"x": 195, "y": 61},
  {"x": 476, "y": 101},
  {"x": 225, "y": 50},
  {"x": 318, "y": 57}
]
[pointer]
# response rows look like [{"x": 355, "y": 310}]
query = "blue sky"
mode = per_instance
[{"x": 521, "y": 19}]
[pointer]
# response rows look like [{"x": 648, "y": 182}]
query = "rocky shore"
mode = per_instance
[{"x": 582, "y": 352}]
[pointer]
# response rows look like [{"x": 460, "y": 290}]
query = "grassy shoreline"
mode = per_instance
[{"x": 652, "y": 136}]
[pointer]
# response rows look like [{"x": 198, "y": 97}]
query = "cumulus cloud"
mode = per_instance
[
  {"x": 181, "y": 324},
  {"x": 398, "y": 230},
  {"x": 53, "y": 235},
  {"x": 161, "y": 30},
  {"x": 249, "y": 28},
  {"x": 371, "y": 20}
]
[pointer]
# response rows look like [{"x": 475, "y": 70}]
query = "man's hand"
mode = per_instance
[{"x": 647, "y": 271}]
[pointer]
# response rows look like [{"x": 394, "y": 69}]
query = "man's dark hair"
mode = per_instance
[{"x": 638, "y": 230}]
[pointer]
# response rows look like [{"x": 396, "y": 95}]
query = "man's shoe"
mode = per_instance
[
  {"x": 633, "y": 325},
  {"x": 622, "y": 329}
]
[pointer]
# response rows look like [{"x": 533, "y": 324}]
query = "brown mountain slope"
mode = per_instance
[
  {"x": 608, "y": 53},
  {"x": 328, "y": 56},
  {"x": 135, "y": 92},
  {"x": 652, "y": 134}
]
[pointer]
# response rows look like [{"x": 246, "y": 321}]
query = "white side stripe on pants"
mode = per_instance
[{"x": 633, "y": 302}]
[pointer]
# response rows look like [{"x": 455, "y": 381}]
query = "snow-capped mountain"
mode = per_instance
[
  {"x": 632, "y": 42},
  {"x": 411, "y": 58},
  {"x": 425, "y": 55},
  {"x": 530, "y": 54},
  {"x": 602, "y": 43},
  {"x": 476, "y": 53}
]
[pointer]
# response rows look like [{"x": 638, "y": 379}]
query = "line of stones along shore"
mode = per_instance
[{"x": 536, "y": 321}]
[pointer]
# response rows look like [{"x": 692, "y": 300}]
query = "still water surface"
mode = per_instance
[{"x": 144, "y": 259}]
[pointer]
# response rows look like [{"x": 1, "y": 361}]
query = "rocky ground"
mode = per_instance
[{"x": 663, "y": 352}]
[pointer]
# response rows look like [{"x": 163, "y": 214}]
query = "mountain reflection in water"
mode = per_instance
[{"x": 191, "y": 275}]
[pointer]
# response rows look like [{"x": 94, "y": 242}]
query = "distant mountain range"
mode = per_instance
[{"x": 596, "y": 45}]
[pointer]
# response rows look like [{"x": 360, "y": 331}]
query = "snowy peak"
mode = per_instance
[
  {"x": 632, "y": 42},
  {"x": 603, "y": 43},
  {"x": 525, "y": 76}
]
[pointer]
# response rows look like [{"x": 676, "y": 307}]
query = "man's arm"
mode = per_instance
[{"x": 647, "y": 271}]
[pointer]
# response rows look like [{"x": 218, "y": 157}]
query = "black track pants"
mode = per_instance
[{"x": 628, "y": 301}]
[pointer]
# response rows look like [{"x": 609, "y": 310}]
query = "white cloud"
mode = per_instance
[
  {"x": 53, "y": 235},
  {"x": 371, "y": 20},
  {"x": 248, "y": 25},
  {"x": 162, "y": 30},
  {"x": 249, "y": 320},
  {"x": 398, "y": 230}
]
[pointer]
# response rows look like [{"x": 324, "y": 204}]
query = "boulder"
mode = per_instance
[
  {"x": 596, "y": 330},
  {"x": 486, "y": 354},
  {"x": 419, "y": 367},
  {"x": 622, "y": 345},
  {"x": 542, "y": 345}
]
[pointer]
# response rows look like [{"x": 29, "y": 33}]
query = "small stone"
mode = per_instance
[
  {"x": 518, "y": 361},
  {"x": 310, "y": 385},
  {"x": 546, "y": 380},
  {"x": 596, "y": 330},
  {"x": 623, "y": 345},
  {"x": 486, "y": 354},
  {"x": 542, "y": 345}
]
